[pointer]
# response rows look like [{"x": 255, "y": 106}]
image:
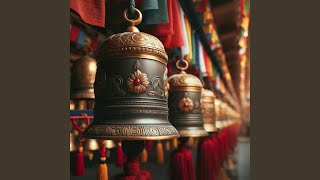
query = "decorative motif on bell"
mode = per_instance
[
  {"x": 137, "y": 83},
  {"x": 185, "y": 112},
  {"x": 131, "y": 88}
]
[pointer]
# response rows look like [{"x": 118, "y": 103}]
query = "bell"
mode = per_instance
[
  {"x": 208, "y": 109},
  {"x": 185, "y": 112},
  {"x": 110, "y": 144},
  {"x": 130, "y": 88},
  {"x": 91, "y": 144},
  {"x": 73, "y": 146},
  {"x": 83, "y": 75}
]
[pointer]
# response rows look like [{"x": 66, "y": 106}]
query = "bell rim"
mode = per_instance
[
  {"x": 210, "y": 128},
  {"x": 134, "y": 138},
  {"x": 131, "y": 132},
  {"x": 193, "y": 133}
]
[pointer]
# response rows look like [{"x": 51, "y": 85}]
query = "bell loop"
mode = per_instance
[
  {"x": 133, "y": 22},
  {"x": 182, "y": 65}
]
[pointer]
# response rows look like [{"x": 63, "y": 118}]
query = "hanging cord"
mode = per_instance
[{"x": 131, "y": 10}]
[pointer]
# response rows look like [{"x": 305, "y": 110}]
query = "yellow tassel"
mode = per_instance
[
  {"x": 160, "y": 156},
  {"x": 144, "y": 156},
  {"x": 175, "y": 143},
  {"x": 103, "y": 170},
  {"x": 167, "y": 145}
]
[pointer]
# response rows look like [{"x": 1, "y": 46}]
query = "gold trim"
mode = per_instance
[{"x": 185, "y": 88}]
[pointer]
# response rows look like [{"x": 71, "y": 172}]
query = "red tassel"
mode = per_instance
[
  {"x": 205, "y": 160},
  {"x": 181, "y": 164},
  {"x": 132, "y": 171},
  {"x": 120, "y": 155},
  {"x": 79, "y": 163},
  {"x": 216, "y": 158}
]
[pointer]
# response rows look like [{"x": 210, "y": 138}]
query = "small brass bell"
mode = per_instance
[
  {"x": 110, "y": 144},
  {"x": 73, "y": 146},
  {"x": 130, "y": 88},
  {"x": 185, "y": 112},
  {"x": 82, "y": 78},
  {"x": 208, "y": 109},
  {"x": 91, "y": 144}
]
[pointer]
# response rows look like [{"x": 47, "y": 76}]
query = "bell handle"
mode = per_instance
[
  {"x": 184, "y": 67},
  {"x": 133, "y": 22}
]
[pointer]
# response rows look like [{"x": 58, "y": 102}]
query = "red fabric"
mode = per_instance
[
  {"x": 91, "y": 11},
  {"x": 79, "y": 164},
  {"x": 170, "y": 34},
  {"x": 120, "y": 156},
  {"x": 181, "y": 164},
  {"x": 201, "y": 6},
  {"x": 74, "y": 33},
  {"x": 94, "y": 44},
  {"x": 149, "y": 145}
]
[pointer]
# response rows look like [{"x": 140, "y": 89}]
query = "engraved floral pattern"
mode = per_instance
[
  {"x": 186, "y": 104},
  {"x": 137, "y": 83}
]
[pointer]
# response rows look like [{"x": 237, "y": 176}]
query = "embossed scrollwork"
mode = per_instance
[
  {"x": 117, "y": 82},
  {"x": 158, "y": 87}
]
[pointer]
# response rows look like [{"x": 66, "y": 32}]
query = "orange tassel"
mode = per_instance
[
  {"x": 175, "y": 143},
  {"x": 159, "y": 150},
  {"x": 144, "y": 156},
  {"x": 103, "y": 169}
]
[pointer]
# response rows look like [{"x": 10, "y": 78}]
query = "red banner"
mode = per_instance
[{"x": 91, "y": 11}]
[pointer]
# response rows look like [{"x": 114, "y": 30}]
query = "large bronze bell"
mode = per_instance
[
  {"x": 130, "y": 88},
  {"x": 185, "y": 112},
  {"x": 208, "y": 109},
  {"x": 83, "y": 75}
]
